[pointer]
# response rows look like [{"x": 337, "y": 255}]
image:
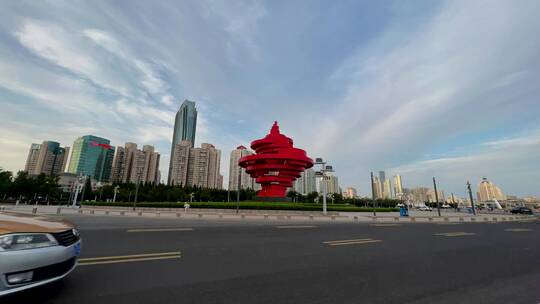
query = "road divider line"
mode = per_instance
[
  {"x": 341, "y": 241},
  {"x": 119, "y": 257},
  {"x": 295, "y": 227},
  {"x": 178, "y": 256},
  {"x": 159, "y": 229},
  {"x": 518, "y": 230},
  {"x": 355, "y": 243},
  {"x": 451, "y": 234}
]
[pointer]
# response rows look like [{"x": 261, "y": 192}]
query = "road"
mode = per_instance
[{"x": 144, "y": 260}]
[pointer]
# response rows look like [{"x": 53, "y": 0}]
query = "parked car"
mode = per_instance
[
  {"x": 521, "y": 210},
  {"x": 424, "y": 208},
  {"x": 35, "y": 250}
]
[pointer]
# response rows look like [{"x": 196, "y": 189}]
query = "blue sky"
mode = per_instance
[{"x": 422, "y": 88}]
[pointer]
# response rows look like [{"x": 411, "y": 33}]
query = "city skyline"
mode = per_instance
[{"x": 413, "y": 92}]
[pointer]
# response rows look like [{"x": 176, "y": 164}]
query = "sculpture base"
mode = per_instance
[{"x": 272, "y": 199}]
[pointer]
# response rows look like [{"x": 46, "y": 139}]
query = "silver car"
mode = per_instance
[{"x": 35, "y": 250}]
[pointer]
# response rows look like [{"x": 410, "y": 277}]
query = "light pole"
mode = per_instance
[
  {"x": 322, "y": 173},
  {"x": 437, "y": 197},
  {"x": 78, "y": 187},
  {"x": 238, "y": 189},
  {"x": 115, "y": 191},
  {"x": 470, "y": 197},
  {"x": 373, "y": 196}
]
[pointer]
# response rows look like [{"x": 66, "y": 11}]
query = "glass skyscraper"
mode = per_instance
[
  {"x": 92, "y": 156},
  {"x": 185, "y": 124}
]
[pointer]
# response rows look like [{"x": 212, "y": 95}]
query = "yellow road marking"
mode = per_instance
[
  {"x": 354, "y": 243},
  {"x": 118, "y": 257},
  {"x": 455, "y": 234},
  {"x": 518, "y": 229},
  {"x": 159, "y": 229},
  {"x": 293, "y": 227},
  {"x": 129, "y": 260}
]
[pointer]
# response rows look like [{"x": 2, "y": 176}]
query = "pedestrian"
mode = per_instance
[{"x": 186, "y": 207}]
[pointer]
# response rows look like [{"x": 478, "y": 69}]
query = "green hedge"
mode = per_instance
[{"x": 247, "y": 205}]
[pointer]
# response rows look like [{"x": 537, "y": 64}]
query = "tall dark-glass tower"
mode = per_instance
[{"x": 184, "y": 128}]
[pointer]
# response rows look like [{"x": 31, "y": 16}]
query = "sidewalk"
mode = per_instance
[{"x": 269, "y": 215}]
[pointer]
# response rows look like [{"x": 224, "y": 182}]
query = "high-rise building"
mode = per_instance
[
  {"x": 246, "y": 181},
  {"x": 196, "y": 166},
  {"x": 48, "y": 158},
  {"x": 31, "y": 159},
  {"x": 383, "y": 189},
  {"x": 306, "y": 183},
  {"x": 350, "y": 193},
  {"x": 487, "y": 191},
  {"x": 92, "y": 156},
  {"x": 133, "y": 165},
  {"x": 185, "y": 125},
  {"x": 398, "y": 186},
  {"x": 331, "y": 183},
  {"x": 377, "y": 188}
]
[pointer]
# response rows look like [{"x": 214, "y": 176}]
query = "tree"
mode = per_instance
[{"x": 5, "y": 182}]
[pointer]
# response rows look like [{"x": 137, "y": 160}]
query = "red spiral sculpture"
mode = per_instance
[{"x": 276, "y": 164}]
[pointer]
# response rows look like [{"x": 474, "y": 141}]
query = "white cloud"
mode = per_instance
[{"x": 66, "y": 49}]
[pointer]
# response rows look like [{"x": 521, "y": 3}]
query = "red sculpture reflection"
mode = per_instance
[{"x": 276, "y": 164}]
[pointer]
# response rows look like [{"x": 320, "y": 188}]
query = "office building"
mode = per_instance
[
  {"x": 132, "y": 165},
  {"x": 196, "y": 166},
  {"x": 246, "y": 181},
  {"x": 47, "y": 158},
  {"x": 92, "y": 156},
  {"x": 185, "y": 124},
  {"x": 487, "y": 191}
]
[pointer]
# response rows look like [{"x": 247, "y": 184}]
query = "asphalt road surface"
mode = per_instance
[{"x": 138, "y": 260}]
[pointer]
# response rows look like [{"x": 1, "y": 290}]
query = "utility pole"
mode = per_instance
[
  {"x": 238, "y": 189},
  {"x": 437, "y": 197},
  {"x": 471, "y": 197},
  {"x": 373, "y": 196}
]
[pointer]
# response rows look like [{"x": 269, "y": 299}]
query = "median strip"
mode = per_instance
[
  {"x": 129, "y": 258},
  {"x": 351, "y": 242},
  {"x": 159, "y": 229}
]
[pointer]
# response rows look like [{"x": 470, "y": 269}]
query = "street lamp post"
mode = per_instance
[
  {"x": 115, "y": 191},
  {"x": 437, "y": 197},
  {"x": 373, "y": 196},
  {"x": 238, "y": 189},
  {"x": 471, "y": 197},
  {"x": 322, "y": 173}
]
